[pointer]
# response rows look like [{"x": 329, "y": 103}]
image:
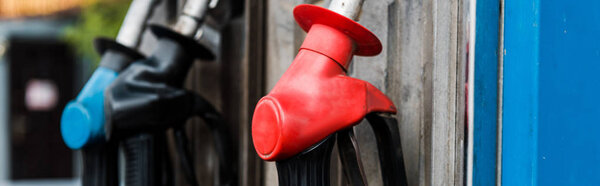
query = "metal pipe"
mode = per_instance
[
  {"x": 349, "y": 8},
  {"x": 191, "y": 17},
  {"x": 135, "y": 22}
]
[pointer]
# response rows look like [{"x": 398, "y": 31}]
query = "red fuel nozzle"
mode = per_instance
[{"x": 315, "y": 97}]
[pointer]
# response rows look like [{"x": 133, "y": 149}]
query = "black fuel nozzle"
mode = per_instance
[
  {"x": 146, "y": 99},
  {"x": 149, "y": 97}
]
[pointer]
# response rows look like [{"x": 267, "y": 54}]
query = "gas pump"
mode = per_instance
[
  {"x": 82, "y": 122},
  {"x": 148, "y": 98},
  {"x": 315, "y": 102}
]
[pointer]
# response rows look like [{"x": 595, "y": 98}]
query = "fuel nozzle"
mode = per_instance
[
  {"x": 315, "y": 102},
  {"x": 149, "y": 94},
  {"x": 315, "y": 97},
  {"x": 82, "y": 121},
  {"x": 149, "y": 97}
]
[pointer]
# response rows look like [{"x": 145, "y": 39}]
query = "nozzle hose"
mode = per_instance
[
  {"x": 100, "y": 167},
  {"x": 308, "y": 168},
  {"x": 222, "y": 139},
  {"x": 389, "y": 145},
  {"x": 184, "y": 153}
]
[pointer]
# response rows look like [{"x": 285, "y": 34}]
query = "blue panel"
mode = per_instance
[
  {"x": 569, "y": 102},
  {"x": 520, "y": 98},
  {"x": 486, "y": 93}
]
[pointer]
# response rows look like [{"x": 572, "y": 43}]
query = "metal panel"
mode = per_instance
[
  {"x": 485, "y": 92},
  {"x": 568, "y": 139},
  {"x": 520, "y": 96}
]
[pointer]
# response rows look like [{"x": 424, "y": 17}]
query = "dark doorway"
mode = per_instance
[{"x": 41, "y": 83}]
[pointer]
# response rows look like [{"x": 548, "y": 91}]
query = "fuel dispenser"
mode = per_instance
[
  {"x": 315, "y": 102},
  {"x": 82, "y": 122}
]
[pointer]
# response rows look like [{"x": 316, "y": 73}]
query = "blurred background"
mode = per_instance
[{"x": 46, "y": 54}]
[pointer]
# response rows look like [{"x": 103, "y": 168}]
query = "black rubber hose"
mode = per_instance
[
  {"x": 350, "y": 158},
  {"x": 181, "y": 144},
  {"x": 389, "y": 145},
  {"x": 222, "y": 139},
  {"x": 309, "y": 168},
  {"x": 100, "y": 167}
]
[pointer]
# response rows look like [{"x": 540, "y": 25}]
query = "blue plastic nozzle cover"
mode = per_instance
[{"x": 82, "y": 120}]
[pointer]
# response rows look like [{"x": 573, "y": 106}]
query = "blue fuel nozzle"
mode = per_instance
[{"x": 82, "y": 120}]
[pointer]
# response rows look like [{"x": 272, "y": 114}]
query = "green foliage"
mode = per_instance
[{"x": 101, "y": 18}]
